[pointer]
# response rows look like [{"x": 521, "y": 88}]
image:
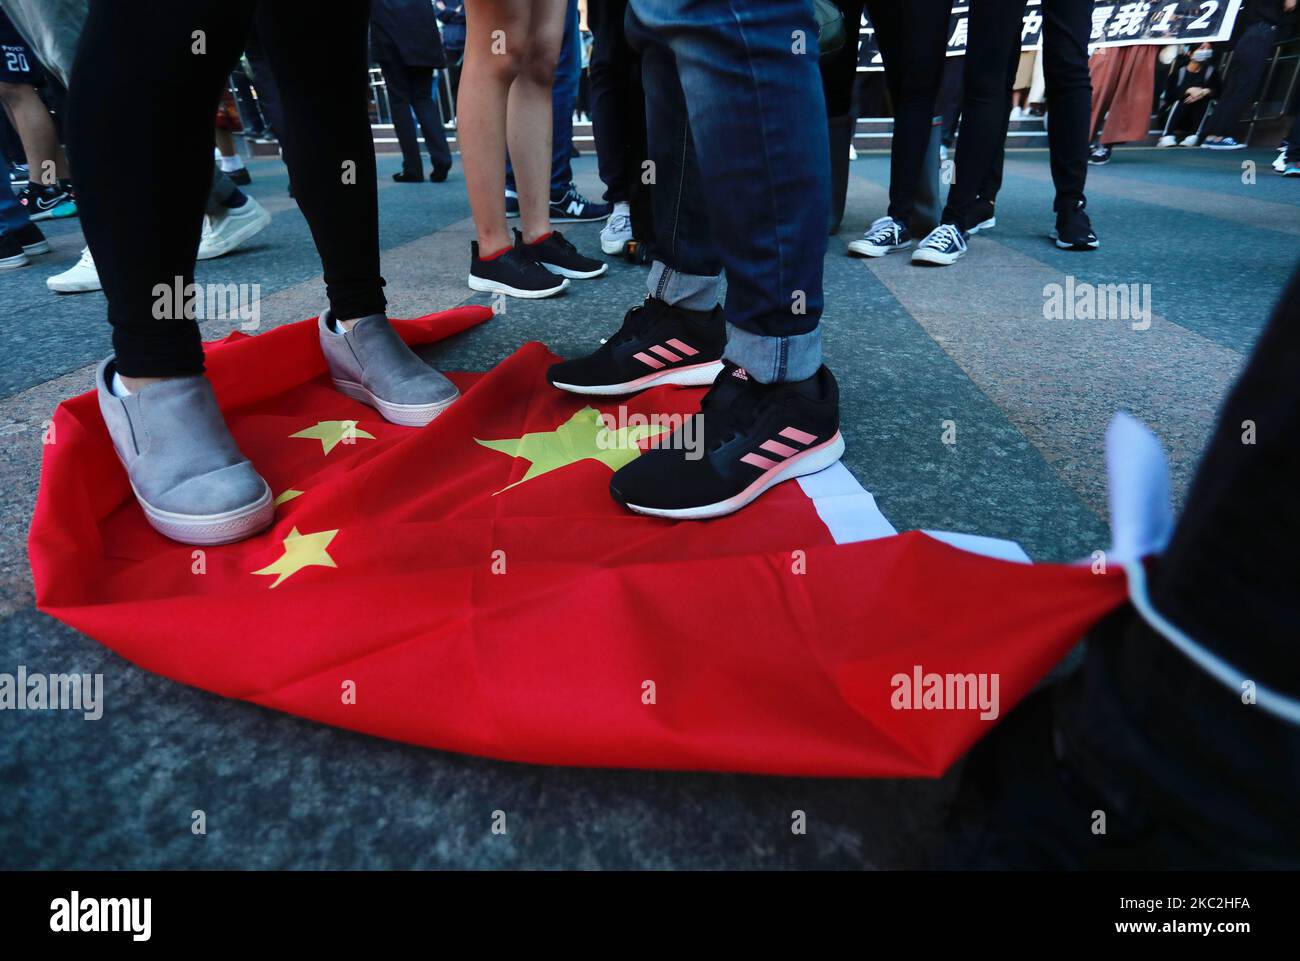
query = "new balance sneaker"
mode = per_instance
[
  {"x": 657, "y": 344},
  {"x": 47, "y": 202},
  {"x": 559, "y": 256},
  {"x": 371, "y": 363},
  {"x": 513, "y": 272},
  {"x": 512, "y": 203},
  {"x": 942, "y": 246},
  {"x": 747, "y": 438},
  {"x": 32, "y": 240},
  {"x": 1099, "y": 154},
  {"x": 1224, "y": 143},
  {"x": 570, "y": 207},
  {"x": 224, "y": 231},
  {"x": 11, "y": 252},
  {"x": 80, "y": 278},
  {"x": 616, "y": 233},
  {"x": 884, "y": 236},
  {"x": 1074, "y": 230}
]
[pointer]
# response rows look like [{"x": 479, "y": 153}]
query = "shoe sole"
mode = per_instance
[
  {"x": 805, "y": 462},
  {"x": 925, "y": 256},
  {"x": 81, "y": 287},
  {"x": 984, "y": 225},
  {"x": 496, "y": 287},
  {"x": 40, "y": 247},
  {"x": 864, "y": 249},
  {"x": 574, "y": 274},
  {"x": 17, "y": 260},
  {"x": 696, "y": 375},
  {"x": 1064, "y": 245},
  {"x": 403, "y": 415},
  {"x": 613, "y": 247},
  {"x": 211, "y": 529},
  {"x": 51, "y": 215},
  {"x": 247, "y": 231},
  {"x": 1219, "y": 146}
]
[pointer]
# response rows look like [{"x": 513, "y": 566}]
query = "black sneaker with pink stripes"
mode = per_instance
[
  {"x": 657, "y": 344},
  {"x": 747, "y": 438}
]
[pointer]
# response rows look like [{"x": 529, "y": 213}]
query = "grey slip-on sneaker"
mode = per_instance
[
  {"x": 185, "y": 469},
  {"x": 372, "y": 364}
]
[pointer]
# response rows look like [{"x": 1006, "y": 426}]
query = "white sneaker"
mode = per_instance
[
  {"x": 1279, "y": 162},
  {"x": 616, "y": 233},
  {"x": 1168, "y": 140},
  {"x": 223, "y": 232},
  {"x": 1191, "y": 140},
  {"x": 853, "y": 152},
  {"x": 883, "y": 236},
  {"x": 80, "y": 278}
]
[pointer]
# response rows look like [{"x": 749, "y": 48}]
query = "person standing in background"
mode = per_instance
[
  {"x": 1262, "y": 22},
  {"x": 404, "y": 41}
]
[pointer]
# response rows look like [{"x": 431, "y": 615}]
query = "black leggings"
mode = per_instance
[
  {"x": 992, "y": 50},
  {"x": 171, "y": 58},
  {"x": 913, "y": 41}
]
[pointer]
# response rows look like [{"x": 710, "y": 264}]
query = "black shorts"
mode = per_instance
[{"x": 17, "y": 64}]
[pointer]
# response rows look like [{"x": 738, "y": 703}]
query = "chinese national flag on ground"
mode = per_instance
[{"x": 472, "y": 586}]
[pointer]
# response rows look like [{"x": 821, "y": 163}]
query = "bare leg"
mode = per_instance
[
  {"x": 528, "y": 124},
  {"x": 31, "y": 118},
  {"x": 225, "y": 142},
  {"x": 496, "y": 47}
]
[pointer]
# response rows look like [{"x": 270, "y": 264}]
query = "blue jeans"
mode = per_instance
[
  {"x": 12, "y": 215},
  {"x": 564, "y": 98},
  {"x": 760, "y": 180}
]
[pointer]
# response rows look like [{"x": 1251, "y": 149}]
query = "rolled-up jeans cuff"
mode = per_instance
[
  {"x": 771, "y": 360},
  {"x": 687, "y": 291}
]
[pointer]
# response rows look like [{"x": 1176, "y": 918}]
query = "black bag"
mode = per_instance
[{"x": 830, "y": 28}]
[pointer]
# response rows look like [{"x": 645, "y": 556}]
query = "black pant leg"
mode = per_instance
[
  {"x": 919, "y": 52},
  {"x": 268, "y": 94},
  {"x": 1067, "y": 25},
  {"x": 321, "y": 65},
  {"x": 1248, "y": 59},
  {"x": 994, "y": 34},
  {"x": 617, "y": 101},
  {"x": 420, "y": 86},
  {"x": 141, "y": 239},
  {"x": 399, "y": 105}
]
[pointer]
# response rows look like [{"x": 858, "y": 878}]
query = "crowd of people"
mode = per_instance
[{"x": 747, "y": 135}]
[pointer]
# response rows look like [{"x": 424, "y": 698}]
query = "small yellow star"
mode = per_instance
[
  {"x": 301, "y": 550},
  {"x": 287, "y": 496},
  {"x": 331, "y": 433}
]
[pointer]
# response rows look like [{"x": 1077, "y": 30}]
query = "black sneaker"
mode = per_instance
[
  {"x": 1074, "y": 229},
  {"x": 11, "y": 252},
  {"x": 943, "y": 246},
  {"x": 884, "y": 236},
  {"x": 408, "y": 177},
  {"x": 240, "y": 177},
  {"x": 571, "y": 207},
  {"x": 32, "y": 240},
  {"x": 747, "y": 437},
  {"x": 657, "y": 344},
  {"x": 512, "y": 272},
  {"x": 1099, "y": 154},
  {"x": 439, "y": 174},
  {"x": 43, "y": 202},
  {"x": 560, "y": 257}
]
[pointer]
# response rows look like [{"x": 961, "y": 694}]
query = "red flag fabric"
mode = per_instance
[{"x": 471, "y": 585}]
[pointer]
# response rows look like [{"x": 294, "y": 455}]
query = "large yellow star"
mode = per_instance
[
  {"x": 301, "y": 550},
  {"x": 331, "y": 433},
  {"x": 581, "y": 437}
]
